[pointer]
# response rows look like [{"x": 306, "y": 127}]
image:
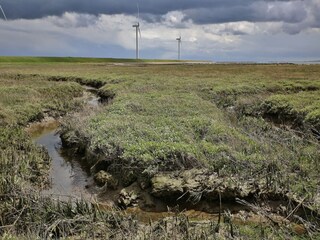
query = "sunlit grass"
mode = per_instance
[
  {"x": 304, "y": 105},
  {"x": 24, "y": 99}
]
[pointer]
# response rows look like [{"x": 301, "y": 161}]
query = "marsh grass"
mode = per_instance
[
  {"x": 300, "y": 108},
  {"x": 27, "y": 98},
  {"x": 162, "y": 118},
  {"x": 177, "y": 119}
]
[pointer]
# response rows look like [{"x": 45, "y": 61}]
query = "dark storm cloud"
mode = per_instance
[
  {"x": 30, "y": 9},
  {"x": 198, "y": 11},
  {"x": 259, "y": 11}
]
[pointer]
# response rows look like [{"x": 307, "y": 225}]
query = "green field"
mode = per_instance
[{"x": 249, "y": 122}]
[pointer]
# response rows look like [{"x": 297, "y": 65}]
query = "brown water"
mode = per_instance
[{"x": 69, "y": 179}]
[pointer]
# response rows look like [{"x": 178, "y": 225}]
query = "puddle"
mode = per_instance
[
  {"x": 68, "y": 178},
  {"x": 193, "y": 215},
  {"x": 36, "y": 130},
  {"x": 90, "y": 95}
]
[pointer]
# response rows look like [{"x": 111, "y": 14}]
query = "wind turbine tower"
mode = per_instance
[
  {"x": 179, "y": 47},
  {"x": 137, "y": 26},
  {"x": 4, "y": 15},
  {"x": 138, "y": 32}
]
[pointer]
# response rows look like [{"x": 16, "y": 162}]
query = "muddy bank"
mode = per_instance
[
  {"x": 136, "y": 187},
  {"x": 200, "y": 190},
  {"x": 203, "y": 199}
]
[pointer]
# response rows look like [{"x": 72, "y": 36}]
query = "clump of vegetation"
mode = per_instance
[
  {"x": 20, "y": 160},
  {"x": 34, "y": 217},
  {"x": 27, "y": 98},
  {"x": 299, "y": 108}
]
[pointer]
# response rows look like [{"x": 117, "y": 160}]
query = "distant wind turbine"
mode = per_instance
[
  {"x": 4, "y": 15},
  {"x": 179, "y": 47},
  {"x": 138, "y": 32}
]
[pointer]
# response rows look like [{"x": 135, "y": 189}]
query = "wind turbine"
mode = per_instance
[
  {"x": 138, "y": 32},
  {"x": 4, "y": 15},
  {"x": 179, "y": 46}
]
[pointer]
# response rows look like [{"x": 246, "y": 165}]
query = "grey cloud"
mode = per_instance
[
  {"x": 291, "y": 12},
  {"x": 30, "y": 9},
  {"x": 152, "y": 11},
  {"x": 292, "y": 28},
  {"x": 69, "y": 20},
  {"x": 315, "y": 8},
  {"x": 218, "y": 15},
  {"x": 260, "y": 11},
  {"x": 312, "y": 20}
]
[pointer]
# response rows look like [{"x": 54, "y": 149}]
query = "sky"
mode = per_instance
[{"x": 215, "y": 30}]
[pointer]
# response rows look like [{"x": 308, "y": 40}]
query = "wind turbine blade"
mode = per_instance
[
  {"x": 138, "y": 11},
  {"x": 139, "y": 32},
  {"x": 4, "y": 15}
]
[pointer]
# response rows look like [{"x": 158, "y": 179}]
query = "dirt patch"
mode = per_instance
[{"x": 199, "y": 193}]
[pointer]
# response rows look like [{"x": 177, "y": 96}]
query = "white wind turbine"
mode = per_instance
[
  {"x": 4, "y": 15},
  {"x": 138, "y": 32},
  {"x": 179, "y": 46}
]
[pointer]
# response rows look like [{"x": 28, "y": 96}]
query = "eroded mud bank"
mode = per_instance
[{"x": 193, "y": 192}]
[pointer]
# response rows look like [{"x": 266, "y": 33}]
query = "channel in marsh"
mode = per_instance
[
  {"x": 71, "y": 180},
  {"x": 68, "y": 177}
]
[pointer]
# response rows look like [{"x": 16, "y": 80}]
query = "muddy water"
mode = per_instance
[
  {"x": 91, "y": 97},
  {"x": 69, "y": 179}
]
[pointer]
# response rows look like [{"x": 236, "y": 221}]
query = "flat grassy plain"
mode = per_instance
[{"x": 245, "y": 121}]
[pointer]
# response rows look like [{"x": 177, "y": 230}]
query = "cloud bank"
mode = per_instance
[{"x": 211, "y": 29}]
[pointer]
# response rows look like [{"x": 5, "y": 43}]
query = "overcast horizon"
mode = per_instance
[{"x": 216, "y": 30}]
